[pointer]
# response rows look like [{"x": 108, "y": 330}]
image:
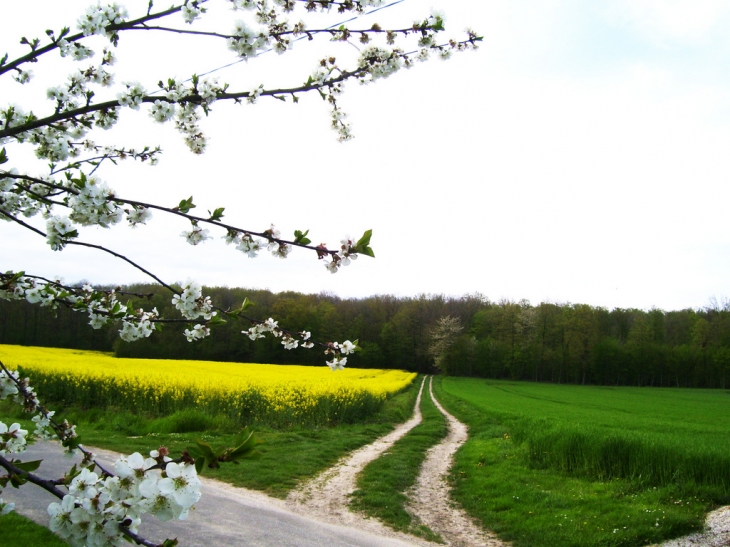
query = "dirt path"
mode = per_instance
[
  {"x": 716, "y": 533},
  {"x": 430, "y": 498},
  {"x": 326, "y": 496}
]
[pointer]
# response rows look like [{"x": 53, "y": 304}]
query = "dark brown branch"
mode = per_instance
[
  {"x": 170, "y": 211},
  {"x": 98, "y": 247},
  {"x": 47, "y": 485},
  {"x": 33, "y": 55},
  {"x": 196, "y": 99}
]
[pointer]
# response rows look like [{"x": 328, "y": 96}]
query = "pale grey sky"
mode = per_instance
[{"x": 579, "y": 156}]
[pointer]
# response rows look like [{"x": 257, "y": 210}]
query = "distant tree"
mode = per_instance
[{"x": 443, "y": 335}]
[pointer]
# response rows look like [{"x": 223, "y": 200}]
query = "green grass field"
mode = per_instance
[
  {"x": 580, "y": 466},
  {"x": 545, "y": 465}
]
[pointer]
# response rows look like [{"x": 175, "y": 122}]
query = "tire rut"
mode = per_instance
[
  {"x": 430, "y": 498},
  {"x": 326, "y": 496}
]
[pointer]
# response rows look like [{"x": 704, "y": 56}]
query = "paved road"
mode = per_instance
[{"x": 224, "y": 517}]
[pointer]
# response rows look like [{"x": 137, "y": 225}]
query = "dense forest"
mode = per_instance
[{"x": 549, "y": 342}]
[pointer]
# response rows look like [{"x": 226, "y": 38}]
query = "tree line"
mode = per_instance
[{"x": 548, "y": 342}]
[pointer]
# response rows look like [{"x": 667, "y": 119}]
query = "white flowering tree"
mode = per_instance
[{"x": 99, "y": 506}]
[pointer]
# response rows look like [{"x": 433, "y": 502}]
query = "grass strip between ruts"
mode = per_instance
[
  {"x": 493, "y": 480},
  {"x": 383, "y": 484}
]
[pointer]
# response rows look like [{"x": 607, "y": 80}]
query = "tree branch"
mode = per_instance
[{"x": 195, "y": 99}]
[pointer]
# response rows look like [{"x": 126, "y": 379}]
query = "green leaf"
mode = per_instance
[
  {"x": 362, "y": 246},
  {"x": 357, "y": 347},
  {"x": 365, "y": 239},
  {"x": 185, "y": 205},
  {"x": 216, "y": 214},
  {"x": 28, "y": 467},
  {"x": 170, "y": 543},
  {"x": 246, "y": 448},
  {"x": 3, "y": 157},
  {"x": 205, "y": 448},
  {"x": 301, "y": 237},
  {"x": 244, "y": 306},
  {"x": 4, "y": 59},
  {"x": 199, "y": 464},
  {"x": 71, "y": 443},
  {"x": 216, "y": 320},
  {"x": 17, "y": 481}
]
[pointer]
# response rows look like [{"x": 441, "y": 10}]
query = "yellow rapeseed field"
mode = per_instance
[{"x": 274, "y": 394}]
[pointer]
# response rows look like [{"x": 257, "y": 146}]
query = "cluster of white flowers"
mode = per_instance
[
  {"x": 378, "y": 62},
  {"x": 8, "y": 386},
  {"x": 12, "y": 439},
  {"x": 133, "y": 96},
  {"x": 91, "y": 204},
  {"x": 78, "y": 52},
  {"x": 255, "y": 93},
  {"x": 138, "y": 325},
  {"x": 43, "y": 429},
  {"x": 95, "y": 507},
  {"x": 23, "y": 76},
  {"x": 162, "y": 111},
  {"x": 192, "y": 304},
  {"x": 190, "y": 12},
  {"x": 339, "y": 351},
  {"x": 21, "y": 199},
  {"x": 106, "y": 118},
  {"x": 245, "y": 242},
  {"x": 243, "y": 4},
  {"x": 250, "y": 246},
  {"x": 186, "y": 121},
  {"x": 343, "y": 257},
  {"x": 260, "y": 329},
  {"x": 138, "y": 215},
  {"x": 58, "y": 231},
  {"x": 98, "y": 18},
  {"x": 196, "y": 235},
  {"x": 246, "y": 42},
  {"x": 198, "y": 332},
  {"x": 277, "y": 248}
]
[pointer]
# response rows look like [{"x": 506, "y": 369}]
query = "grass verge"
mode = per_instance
[
  {"x": 495, "y": 482},
  {"x": 19, "y": 531},
  {"x": 383, "y": 482},
  {"x": 288, "y": 456}
]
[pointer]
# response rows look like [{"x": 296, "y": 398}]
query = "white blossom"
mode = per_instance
[
  {"x": 196, "y": 235},
  {"x": 337, "y": 363},
  {"x": 379, "y": 62},
  {"x": 12, "y": 439},
  {"x": 162, "y": 111},
  {"x": 133, "y": 96},
  {"x": 58, "y": 230}
]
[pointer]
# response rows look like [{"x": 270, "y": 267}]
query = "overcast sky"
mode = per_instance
[{"x": 580, "y": 155}]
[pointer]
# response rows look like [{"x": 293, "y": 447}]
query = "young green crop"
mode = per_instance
[{"x": 584, "y": 466}]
